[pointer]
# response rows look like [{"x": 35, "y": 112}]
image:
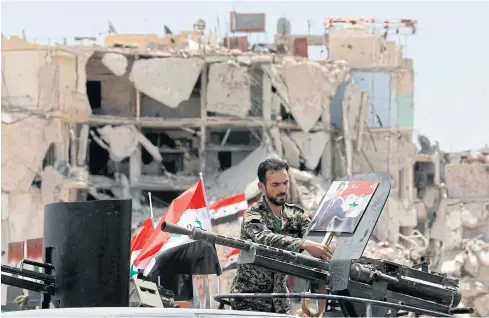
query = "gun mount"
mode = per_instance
[
  {"x": 80, "y": 272},
  {"x": 358, "y": 284},
  {"x": 378, "y": 285}
]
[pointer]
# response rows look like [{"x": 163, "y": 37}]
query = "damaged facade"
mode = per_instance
[{"x": 148, "y": 114}]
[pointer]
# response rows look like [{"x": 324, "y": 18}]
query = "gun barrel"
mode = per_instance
[
  {"x": 445, "y": 295},
  {"x": 262, "y": 250},
  {"x": 48, "y": 279}
]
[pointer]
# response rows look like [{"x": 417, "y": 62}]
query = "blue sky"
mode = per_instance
[{"x": 450, "y": 51}]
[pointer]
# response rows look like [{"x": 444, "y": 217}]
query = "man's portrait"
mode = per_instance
[
  {"x": 342, "y": 207},
  {"x": 330, "y": 206},
  {"x": 201, "y": 298}
]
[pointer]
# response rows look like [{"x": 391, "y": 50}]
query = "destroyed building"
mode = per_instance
[{"x": 144, "y": 113}]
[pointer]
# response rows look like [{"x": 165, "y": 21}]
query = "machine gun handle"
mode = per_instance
[
  {"x": 175, "y": 229},
  {"x": 461, "y": 310}
]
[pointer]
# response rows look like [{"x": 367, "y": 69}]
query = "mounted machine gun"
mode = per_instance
[{"x": 360, "y": 285}]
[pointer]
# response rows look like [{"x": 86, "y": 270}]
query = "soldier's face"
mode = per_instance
[{"x": 276, "y": 187}]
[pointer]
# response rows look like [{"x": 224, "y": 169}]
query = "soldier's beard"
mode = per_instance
[{"x": 279, "y": 200}]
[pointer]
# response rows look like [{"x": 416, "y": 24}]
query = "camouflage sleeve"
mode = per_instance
[
  {"x": 254, "y": 226},
  {"x": 304, "y": 221}
]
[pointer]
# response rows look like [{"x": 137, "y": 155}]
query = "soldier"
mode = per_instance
[{"x": 275, "y": 223}]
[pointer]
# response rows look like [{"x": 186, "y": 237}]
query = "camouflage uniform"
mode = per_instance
[{"x": 263, "y": 227}]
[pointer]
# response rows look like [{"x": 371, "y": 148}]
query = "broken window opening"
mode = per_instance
[
  {"x": 225, "y": 160},
  {"x": 98, "y": 157},
  {"x": 424, "y": 175},
  {"x": 284, "y": 113},
  {"x": 49, "y": 158},
  {"x": 90, "y": 197},
  {"x": 173, "y": 162},
  {"x": 196, "y": 89},
  {"x": 94, "y": 93},
  {"x": 173, "y": 153},
  {"x": 237, "y": 138}
]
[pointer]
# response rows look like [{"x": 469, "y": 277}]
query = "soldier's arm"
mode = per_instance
[
  {"x": 304, "y": 221},
  {"x": 254, "y": 226}
]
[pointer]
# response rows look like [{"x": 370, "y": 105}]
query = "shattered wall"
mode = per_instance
[
  {"x": 394, "y": 153},
  {"x": 461, "y": 235},
  {"x": 405, "y": 94},
  {"x": 467, "y": 180},
  {"x": 361, "y": 49},
  {"x": 40, "y": 86},
  {"x": 163, "y": 81},
  {"x": 118, "y": 94}
]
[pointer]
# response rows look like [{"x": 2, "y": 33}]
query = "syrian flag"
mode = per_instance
[
  {"x": 141, "y": 236},
  {"x": 232, "y": 259},
  {"x": 228, "y": 206},
  {"x": 178, "y": 253}
]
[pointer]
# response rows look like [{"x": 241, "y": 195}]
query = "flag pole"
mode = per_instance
[
  {"x": 207, "y": 207},
  {"x": 151, "y": 210},
  {"x": 205, "y": 195}
]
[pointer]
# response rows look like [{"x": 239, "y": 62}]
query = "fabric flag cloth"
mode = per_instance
[
  {"x": 228, "y": 206},
  {"x": 139, "y": 239},
  {"x": 188, "y": 210},
  {"x": 232, "y": 259}
]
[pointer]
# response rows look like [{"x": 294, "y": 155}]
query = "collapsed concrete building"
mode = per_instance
[{"x": 147, "y": 114}]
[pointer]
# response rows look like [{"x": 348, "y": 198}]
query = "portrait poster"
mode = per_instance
[
  {"x": 342, "y": 208},
  {"x": 201, "y": 296}
]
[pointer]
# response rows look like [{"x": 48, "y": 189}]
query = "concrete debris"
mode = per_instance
[
  {"x": 465, "y": 180},
  {"x": 362, "y": 49},
  {"x": 122, "y": 142},
  {"x": 476, "y": 295},
  {"x": 160, "y": 78},
  {"x": 240, "y": 177},
  {"x": 276, "y": 74},
  {"x": 311, "y": 146},
  {"x": 311, "y": 88},
  {"x": 25, "y": 215},
  {"x": 473, "y": 259},
  {"x": 291, "y": 151},
  {"x": 275, "y": 136},
  {"x": 50, "y": 181},
  {"x": 228, "y": 90},
  {"x": 116, "y": 63},
  {"x": 387, "y": 251},
  {"x": 83, "y": 146},
  {"x": 122, "y": 192},
  {"x": 306, "y": 88},
  {"x": 387, "y": 228},
  {"x": 24, "y": 145},
  {"x": 310, "y": 188}
]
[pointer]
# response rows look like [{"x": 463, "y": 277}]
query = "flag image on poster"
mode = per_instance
[
  {"x": 342, "y": 208},
  {"x": 139, "y": 239},
  {"x": 172, "y": 252},
  {"x": 232, "y": 259},
  {"x": 228, "y": 206}
]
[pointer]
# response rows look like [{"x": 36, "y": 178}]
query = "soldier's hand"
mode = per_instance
[{"x": 317, "y": 250}]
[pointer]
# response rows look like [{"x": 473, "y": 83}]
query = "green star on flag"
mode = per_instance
[
  {"x": 133, "y": 271},
  {"x": 353, "y": 205},
  {"x": 199, "y": 224}
]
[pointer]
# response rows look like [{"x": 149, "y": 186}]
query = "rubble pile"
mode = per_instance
[{"x": 471, "y": 265}]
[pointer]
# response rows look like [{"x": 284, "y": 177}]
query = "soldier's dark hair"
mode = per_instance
[{"x": 270, "y": 164}]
